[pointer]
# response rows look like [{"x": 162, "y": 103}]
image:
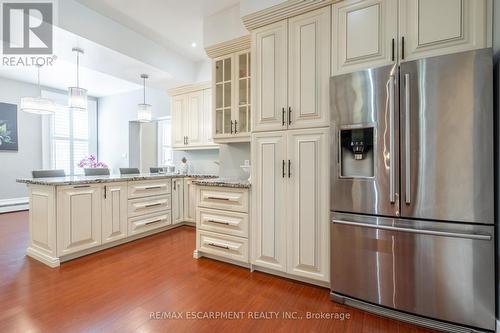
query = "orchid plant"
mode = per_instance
[{"x": 91, "y": 162}]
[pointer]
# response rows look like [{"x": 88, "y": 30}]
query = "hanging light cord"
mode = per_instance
[
  {"x": 38, "y": 80},
  {"x": 144, "y": 90},
  {"x": 77, "y": 69}
]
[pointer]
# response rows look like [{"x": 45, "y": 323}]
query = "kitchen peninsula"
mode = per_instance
[{"x": 73, "y": 216}]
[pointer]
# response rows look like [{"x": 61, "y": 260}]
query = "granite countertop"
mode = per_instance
[
  {"x": 223, "y": 182},
  {"x": 78, "y": 180}
]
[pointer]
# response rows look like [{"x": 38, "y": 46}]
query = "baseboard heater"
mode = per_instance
[{"x": 14, "y": 205}]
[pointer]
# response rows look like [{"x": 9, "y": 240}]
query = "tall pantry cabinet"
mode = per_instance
[{"x": 290, "y": 145}]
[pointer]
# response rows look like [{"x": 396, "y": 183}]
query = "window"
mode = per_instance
[
  {"x": 165, "y": 155},
  {"x": 72, "y": 135}
]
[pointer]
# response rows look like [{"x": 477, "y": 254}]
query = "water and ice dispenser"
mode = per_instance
[{"x": 356, "y": 152}]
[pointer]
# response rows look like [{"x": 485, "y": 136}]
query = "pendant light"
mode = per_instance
[
  {"x": 77, "y": 97},
  {"x": 37, "y": 105},
  {"x": 144, "y": 110}
]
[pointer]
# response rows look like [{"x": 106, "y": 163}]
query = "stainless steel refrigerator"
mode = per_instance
[{"x": 412, "y": 191}]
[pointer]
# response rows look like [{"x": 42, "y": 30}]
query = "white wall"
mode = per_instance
[
  {"x": 204, "y": 70},
  {"x": 115, "y": 112},
  {"x": 29, "y": 156},
  {"x": 223, "y": 26}
]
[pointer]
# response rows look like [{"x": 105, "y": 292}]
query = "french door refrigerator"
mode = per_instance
[{"x": 412, "y": 191}]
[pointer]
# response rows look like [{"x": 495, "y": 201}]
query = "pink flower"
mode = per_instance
[{"x": 91, "y": 162}]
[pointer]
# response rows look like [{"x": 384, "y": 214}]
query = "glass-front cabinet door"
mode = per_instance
[
  {"x": 231, "y": 83},
  {"x": 242, "y": 117},
  {"x": 223, "y": 96}
]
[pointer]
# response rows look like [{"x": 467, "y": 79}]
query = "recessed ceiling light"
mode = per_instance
[{"x": 193, "y": 44}]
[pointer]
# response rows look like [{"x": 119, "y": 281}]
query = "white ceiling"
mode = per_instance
[
  {"x": 103, "y": 71},
  {"x": 174, "y": 24}
]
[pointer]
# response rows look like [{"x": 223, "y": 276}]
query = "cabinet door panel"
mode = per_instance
[
  {"x": 190, "y": 201},
  {"x": 114, "y": 212},
  {"x": 177, "y": 200},
  {"x": 428, "y": 32},
  {"x": 194, "y": 118},
  {"x": 269, "y": 70},
  {"x": 308, "y": 204},
  {"x": 179, "y": 108},
  {"x": 268, "y": 193},
  {"x": 78, "y": 218},
  {"x": 362, "y": 34},
  {"x": 207, "y": 117},
  {"x": 309, "y": 69}
]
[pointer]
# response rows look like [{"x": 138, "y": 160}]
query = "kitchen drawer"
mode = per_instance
[
  {"x": 226, "y": 222},
  {"x": 148, "y": 205},
  {"x": 146, "y": 188},
  {"x": 234, "y": 199},
  {"x": 143, "y": 223},
  {"x": 230, "y": 247}
]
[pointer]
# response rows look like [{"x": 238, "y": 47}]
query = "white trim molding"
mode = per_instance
[
  {"x": 282, "y": 11},
  {"x": 234, "y": 45},
  {"x": 14, "y": 204},
  {"x": 189, "y": 88}
]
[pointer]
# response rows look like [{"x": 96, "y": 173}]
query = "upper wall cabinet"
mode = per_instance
[
  {"x": 191, "y": 109},
  {"x": 432, "y": 28},
  {"x": 295, "y": 46},
  {"x": 231, "y": 84},
  {"x": 366, "y": 32}
]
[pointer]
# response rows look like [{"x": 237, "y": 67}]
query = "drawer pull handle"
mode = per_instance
[
  {"x": 153, "y": 205},
  {"x": 153, "y": 187},
  {"x": 152, "y": 222},
  {"x": 81, "y": 186},
  {"x": 225, "y": 247},
  {"x": 217, "y": 198},
  {"x": 218, "y": 222}
]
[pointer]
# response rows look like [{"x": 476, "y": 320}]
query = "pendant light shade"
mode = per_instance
[
  {"x": 37, "y": 105},
  {"x": 77, "y": 97},
  {"x": 144, "y": 113}
]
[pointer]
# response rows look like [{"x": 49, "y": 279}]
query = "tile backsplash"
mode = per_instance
[{"x": 224, "y": 162}]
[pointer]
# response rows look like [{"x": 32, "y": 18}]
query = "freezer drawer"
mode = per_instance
[{"x": 439, "y": 270}]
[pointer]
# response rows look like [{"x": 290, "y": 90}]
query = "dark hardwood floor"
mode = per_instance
[{"x": 117, "y": 290}]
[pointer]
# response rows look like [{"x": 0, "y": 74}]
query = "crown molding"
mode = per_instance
[
  {"x": 230, "y": 46},
  {"x": 189, "y": 88},
  {"x": 282, "y": 11}
]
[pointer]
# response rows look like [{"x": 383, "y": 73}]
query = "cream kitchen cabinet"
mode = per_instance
[
  {"x": 291, "y": 70},
  {"x": 432, "y": 28},
  {"x": 78, "y": 218},
  {"x": 222, "y": 223},
  {"x": 268, "y": 227},
  {"x": 191, "y": 107},
  {"x": 364, "y": 35},
  {"x": 290, "y": 224},
  {"x": 231, "y": 104},
  {"x": 114, "y": 212},
  {"x": 190, "y": 201},
  {"x": 374, "y": 33},
  {"x": 177, "y": 200}
]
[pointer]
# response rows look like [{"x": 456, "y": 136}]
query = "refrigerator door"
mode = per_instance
[
  {"x": 443, "y": 271},
  {"x": 446, "y": 109},
  {"x": 364, "y": 151}
]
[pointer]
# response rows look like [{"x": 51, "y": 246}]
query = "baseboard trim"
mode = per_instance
[
  {"x": 291, "y": 277},
  {"x": 47, "y": 260},
  {"x": 14, "y": 204}
]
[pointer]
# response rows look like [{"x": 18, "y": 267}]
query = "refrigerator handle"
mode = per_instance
[
  {"x": 485, "y": 237},
  {"x": 407, "y": 140},
  {"x": 392, "y": 195}
]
